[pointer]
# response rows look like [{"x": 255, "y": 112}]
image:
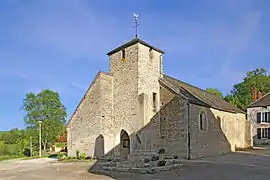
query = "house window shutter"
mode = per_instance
[
  {"x": 259, "y": 117},
  {"x": 268, "y": 133},
  {"x": 268, "y": 117},
  {"x": 259, "y": 133}
]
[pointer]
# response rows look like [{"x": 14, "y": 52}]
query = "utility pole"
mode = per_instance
[
  {"x": 39, "y": 123},
  {"x": 188, "y": 132},
  {"x": 31, "y": 150}
]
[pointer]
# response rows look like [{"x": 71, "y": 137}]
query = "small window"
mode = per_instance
[
  {"x": 263, "y": 117},
  {"x": 123, "y": 55},
  {"x": 263, "y": 133},
  {"x": 203, "y": 121},
  {"x": 150, "y": 53},
  {"x": 154, "y": 101}
]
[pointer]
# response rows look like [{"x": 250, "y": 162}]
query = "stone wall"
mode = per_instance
[
  {"x": 167, "y": 127},
  {"x": 235, "y": 127},
  {"x": 87, "y": 125},
  {"x": 106, "y": 112},
  {"x": 125, "y": 91},
  {"x": 252, "y": 118},
  {"x": 149, "y": 72},
  {"x": 224, "y": 132},
  {"x": 134, "y": 81}
]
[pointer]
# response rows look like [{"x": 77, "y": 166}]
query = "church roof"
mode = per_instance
[
  {"x": 199, "y": 96},
  {"x": 264, "y": 101},
  {"x": 130, "y": 43}
]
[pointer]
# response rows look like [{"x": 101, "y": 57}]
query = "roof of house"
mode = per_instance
[
  {"x": 264, "y": 101},
  {"x": 130, "y": 43},
  {"x": 199, "y": 96}
]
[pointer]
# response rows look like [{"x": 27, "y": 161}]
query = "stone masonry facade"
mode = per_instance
[{"x": 131, "y": 100}]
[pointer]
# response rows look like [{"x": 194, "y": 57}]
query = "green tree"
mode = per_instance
[
  {"x": 13, "y": 142},
  {"x": 46, "y": 106},
  {"x": 215, "y": 92},
  {"x": 240, "y": 96}
]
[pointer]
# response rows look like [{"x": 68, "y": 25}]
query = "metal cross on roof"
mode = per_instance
[{"x": 136, "y": 16}]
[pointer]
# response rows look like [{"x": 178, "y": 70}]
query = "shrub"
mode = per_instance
[
  {"x": 82, "y": 156},
  {"x": 146, "y": 160},
  {"x": 27, "y": 152},
  {"x": 59, "y": 145},
  {"x": 62, "y": 156},
  {"x": 155, "y": 158},
  {"x": 53, "y": 156},
  {"x": 161, "y": 151},
  {"x": 161, "y": 163}
]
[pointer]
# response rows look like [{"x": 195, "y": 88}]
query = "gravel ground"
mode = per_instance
[{"x": 231, "y": 166}]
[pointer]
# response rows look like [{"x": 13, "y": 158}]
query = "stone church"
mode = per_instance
[{"x": 136, "y": 109}]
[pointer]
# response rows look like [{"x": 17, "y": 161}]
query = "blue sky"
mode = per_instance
[{"x": 61, "y": 45}]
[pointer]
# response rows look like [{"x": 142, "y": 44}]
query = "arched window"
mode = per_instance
[{"x": 203, "y": 121}]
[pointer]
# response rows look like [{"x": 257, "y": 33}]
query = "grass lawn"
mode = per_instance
[{"x": 2, "y": 158}]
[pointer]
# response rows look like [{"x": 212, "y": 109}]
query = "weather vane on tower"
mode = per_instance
[{"x": 136, "y": 16}]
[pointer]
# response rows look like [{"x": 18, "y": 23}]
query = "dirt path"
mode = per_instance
[
  {"x": 227, "y": 167},
  {"x": 45, "y": 168}
]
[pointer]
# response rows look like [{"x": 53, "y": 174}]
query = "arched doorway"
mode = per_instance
[
  {"x": 99, "y": 147},
  {"x": 124, "y": 144}
]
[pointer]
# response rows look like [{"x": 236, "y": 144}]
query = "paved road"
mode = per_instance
[{"x": 227, "y": 167}]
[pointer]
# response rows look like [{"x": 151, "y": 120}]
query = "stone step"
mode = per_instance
[{"x": 139, "y": 156}]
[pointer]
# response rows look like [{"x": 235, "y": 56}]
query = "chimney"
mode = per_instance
[
  {"x": 254, "y": 94},
  {"x": 260, "y": 95}
]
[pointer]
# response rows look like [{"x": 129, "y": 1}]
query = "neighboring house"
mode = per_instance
[
  {"x": 60, "y": 144},
  {"x": 259, "y": 115},
  {"x": 136, "y": 109}
]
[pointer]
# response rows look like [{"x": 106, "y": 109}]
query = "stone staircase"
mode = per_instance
[
  {"x": 141, "y": 154},
  {"x": 137, "y": 157}
]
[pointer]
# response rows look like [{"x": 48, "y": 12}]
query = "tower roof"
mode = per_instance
[{"x": 134, "y": 41}]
